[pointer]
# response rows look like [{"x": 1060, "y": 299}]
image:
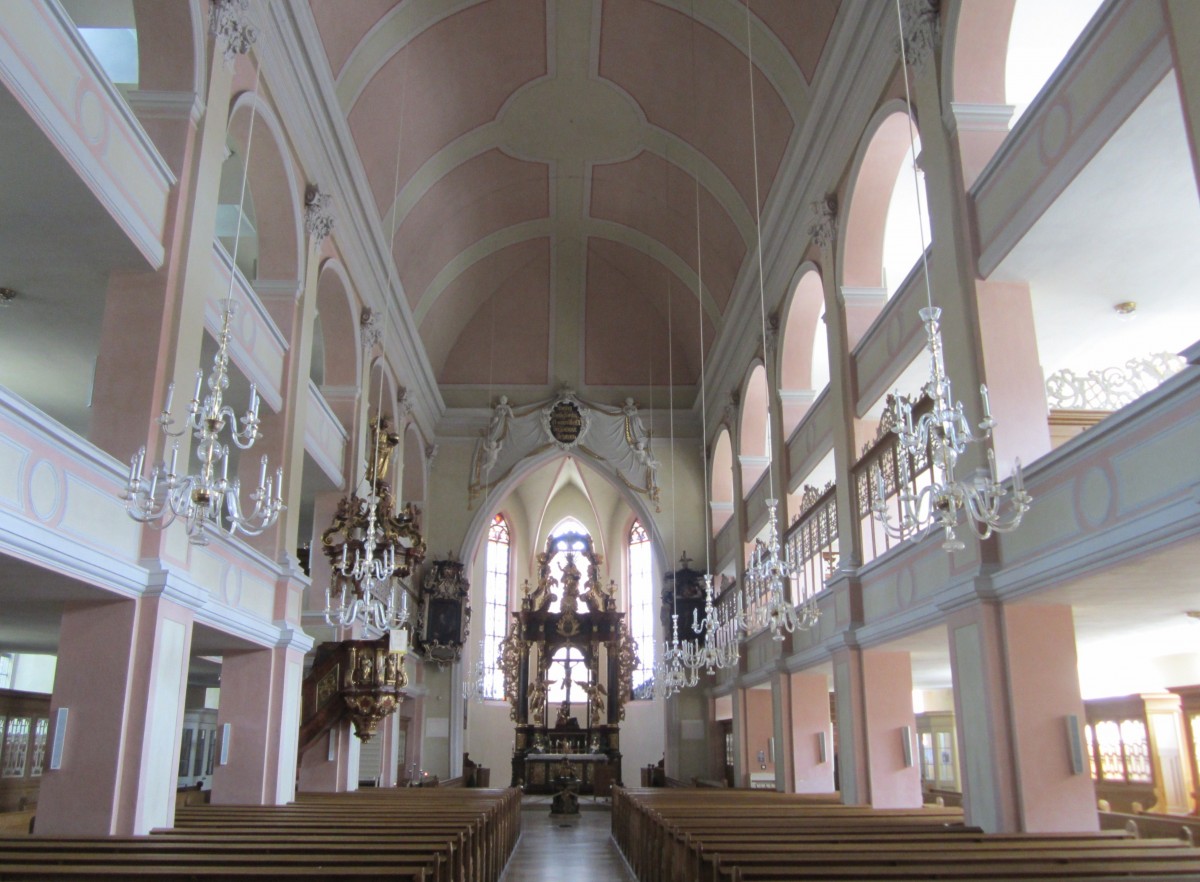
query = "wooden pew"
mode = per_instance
[
  {"x": 758, "y": 836},
  {"x": 423, "y": 835}
]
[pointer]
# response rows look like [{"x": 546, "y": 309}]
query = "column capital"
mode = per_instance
[
  {"x": 230, "y": 25},
  {"x": 824, "y": 225},
  {"x": 318, "y": 214},
  {"x": 921, "y": 31}
]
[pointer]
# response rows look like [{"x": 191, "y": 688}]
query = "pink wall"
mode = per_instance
[
  {"x": 887, "y": 690},
  {"x": 809, "y": 718},
  {"x": 759, "y": 729},
  {"x": 1043, "y": 689},
  {"x": 1013, "y": 373}
]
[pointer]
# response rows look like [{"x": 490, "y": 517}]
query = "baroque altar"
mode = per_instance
[{"x": 568, "y": 663}]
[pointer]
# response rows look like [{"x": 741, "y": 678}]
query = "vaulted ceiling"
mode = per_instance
[{"x": 539, "y": 166}]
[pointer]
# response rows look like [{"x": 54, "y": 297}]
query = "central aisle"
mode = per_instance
[{"x": 549, "y": 853}]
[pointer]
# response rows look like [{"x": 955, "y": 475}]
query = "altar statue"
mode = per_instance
[{"x": 595, "y": 693}]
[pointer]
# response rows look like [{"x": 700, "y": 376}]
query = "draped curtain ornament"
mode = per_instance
[{"x": 614, "y": 436}]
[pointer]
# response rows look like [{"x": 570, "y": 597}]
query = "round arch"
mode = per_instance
[
  {"x": 803, "y": 354},
  {"x": 413, "y": 486},
  {"x": 753, "y": 444},
  {"x": 342, "y": 356},
  {"x": 171, "y": 46},
  {"x": 721, "y": 492},
  {"x": 273, "y": 187},
  {"x": 872, "y": 182}
]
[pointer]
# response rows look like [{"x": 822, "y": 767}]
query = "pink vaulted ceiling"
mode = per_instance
[
  {"x": 542, "y": 162},
  {"x": 634, "y": 300}
]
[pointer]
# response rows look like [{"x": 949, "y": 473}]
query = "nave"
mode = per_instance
[{"x": 549, "y": 850}]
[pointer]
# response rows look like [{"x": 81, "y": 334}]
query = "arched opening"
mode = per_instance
[
  {"x": 270, "y": 212},
  {"x": 1002, "y": 54},
  {"x": 413, "y": 489},
  {"x": 722, "y": 482},
  {"x": 338, "y": 329},
  {"x": 754, "y": 439},
  {"x": 1040, "y": 37},
  {"x": 804, "y": 353},
  {"x": 883, "y": 236}
]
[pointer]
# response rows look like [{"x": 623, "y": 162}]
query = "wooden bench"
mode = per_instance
[
  {"x": 423, "y": 835},
  {"x": 731, "y": 836}
]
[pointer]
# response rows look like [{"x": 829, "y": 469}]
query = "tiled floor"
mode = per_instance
[{"x": 548, "y": 852}]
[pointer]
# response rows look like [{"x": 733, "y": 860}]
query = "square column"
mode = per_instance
[
  {"x": 1016, "y": 684},
  {"x": 260, "y": 700},
  {"x": 781, "y": 719},
  {"x": 811, "y": 734},
  {"x": 331, "y": 765},
  {"x": 875, "y": 718},
  {"x": 759, "y": 732},
  {"x": 122, "y": 676}
]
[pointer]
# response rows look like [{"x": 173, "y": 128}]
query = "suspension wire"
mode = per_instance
[
  {"x": 237, "y": 233},
  {"x": 700, "y": 322},
  {"x": 912, "y": 146},
  {"x": 671, "y": 420},
  {"x": 762, "y": 297}
]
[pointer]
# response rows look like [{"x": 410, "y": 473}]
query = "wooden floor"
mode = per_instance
[{"x": 550, "y": 853}]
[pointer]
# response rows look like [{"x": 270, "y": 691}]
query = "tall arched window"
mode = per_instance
[
  {"x": 641, "y": 608},
  {"x": 495, "y": 613},
  {"x": 568, "y": 527}
]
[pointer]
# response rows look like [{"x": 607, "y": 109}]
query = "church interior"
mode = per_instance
[{"x": 733, "y": 415}]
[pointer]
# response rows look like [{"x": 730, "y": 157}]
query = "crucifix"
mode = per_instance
[{"x": 564, "y": 711}]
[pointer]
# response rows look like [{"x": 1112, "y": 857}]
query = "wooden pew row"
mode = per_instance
[
  {"x": 464, "y": 838},
  {"x": 780, "y": 837},
  {"x": 651, "y": 828},
  {"x": 504, "y": 803},
  {"x": 708, "y": 857},
  {"x": 436, "y": 853},
  {"x": 490, "y": 825}
]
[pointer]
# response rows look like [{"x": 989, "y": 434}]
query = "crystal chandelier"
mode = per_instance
[
  {"x": 670, "y": 675},
  {"x": 943, "y": 434},
  {"x": 371, "y": 549},
  {"x": 208, "y": 499},
  {"x": 718, "y": 647}
]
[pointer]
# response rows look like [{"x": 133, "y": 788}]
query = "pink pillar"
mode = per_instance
[
  {"x": 875, "y": 717},
  {"x": 260, "y": 700},
  {"x": 760, "y": 729},
  {"x": 1016, "y": 684},
  {"x": 887, "y": 692},
  {"x": 1013, "y": 372},
  {"x": 129, "y": 388},
  {"x": 331, "y": 765},
  {"x": 121, "y": 750},
  {"x": 812, "y": 734}
]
